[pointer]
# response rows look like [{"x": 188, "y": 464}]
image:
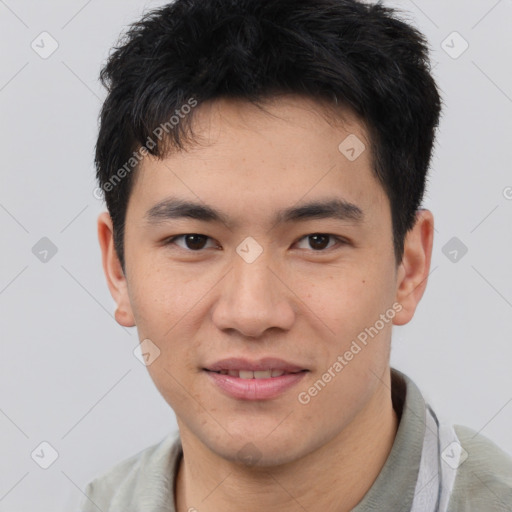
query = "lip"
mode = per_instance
[
  {"x": 240, "y": 363},
  {"x": 254, "y": 389}
]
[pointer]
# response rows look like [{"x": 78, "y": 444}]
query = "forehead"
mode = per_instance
[
  {"x": 294, "y": 148},
  {"x": 274, "y": 115}
]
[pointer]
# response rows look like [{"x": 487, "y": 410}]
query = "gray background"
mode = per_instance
[{"x": 68, "y": 375}]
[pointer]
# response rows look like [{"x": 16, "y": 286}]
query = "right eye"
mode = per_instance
[{"x": 193, "y": 242}]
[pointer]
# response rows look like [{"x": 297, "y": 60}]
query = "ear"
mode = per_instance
[
  {"x": 413, "y": 271},
  {"x": 113, "y": 272}
]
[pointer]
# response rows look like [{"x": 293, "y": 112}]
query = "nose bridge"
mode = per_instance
[{"x": 253, "y": 279}]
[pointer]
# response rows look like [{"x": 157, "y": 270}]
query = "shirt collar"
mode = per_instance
[{"x": 395, "y": 485}]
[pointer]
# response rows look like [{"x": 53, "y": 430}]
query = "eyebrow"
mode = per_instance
[{"x": 335, "y": 208}]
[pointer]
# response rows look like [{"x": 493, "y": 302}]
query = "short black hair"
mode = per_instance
[{"x": 355, "y": 55}]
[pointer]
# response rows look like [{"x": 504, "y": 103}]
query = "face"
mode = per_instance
[{"x": 287, "y": 255}]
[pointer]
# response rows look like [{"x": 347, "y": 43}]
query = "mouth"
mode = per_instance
[
  {"x": 258, "y": 374},
  {"x": 262, "y": 368},
  {"x": 254, "y": 380}
]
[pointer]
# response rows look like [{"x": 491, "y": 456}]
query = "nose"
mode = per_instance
[{"x": 254, "y": 298}]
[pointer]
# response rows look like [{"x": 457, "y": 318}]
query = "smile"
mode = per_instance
[{"x": 248, "y": 374}]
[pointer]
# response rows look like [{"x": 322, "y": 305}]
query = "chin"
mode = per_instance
[{"x": 259, "y": 452}]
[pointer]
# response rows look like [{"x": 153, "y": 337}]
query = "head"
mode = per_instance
[{"x": 293, "y": 139}]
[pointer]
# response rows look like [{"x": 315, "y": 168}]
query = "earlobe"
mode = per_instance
[
  {"x": 413, "y": 271},
  {"x": 124, "y": 317},
  {"x": 114, "y": 274}
]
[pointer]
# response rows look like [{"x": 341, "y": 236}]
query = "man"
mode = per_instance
[{"x": 263, "y": 164}]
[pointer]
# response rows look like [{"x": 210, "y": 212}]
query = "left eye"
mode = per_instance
[{"x": 320, "y": 241}]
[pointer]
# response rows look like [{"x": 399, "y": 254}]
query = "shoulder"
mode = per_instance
[
  {"x": 484, "y": 478},
  {"x": 148, "y": 474}
]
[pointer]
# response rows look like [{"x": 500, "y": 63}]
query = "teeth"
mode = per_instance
[
  {"x": 262, "y": 374},
  {"x": 259, "y": 374}
]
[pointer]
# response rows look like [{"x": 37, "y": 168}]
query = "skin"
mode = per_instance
[{"x": 303, "y": 305}]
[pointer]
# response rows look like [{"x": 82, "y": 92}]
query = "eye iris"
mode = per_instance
[
  {"x": 316, "y": 238},
  {"x": 195, "y": 241}
]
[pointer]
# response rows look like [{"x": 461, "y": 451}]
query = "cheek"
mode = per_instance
[
  {"x": 351, "y": 306},
  {"x": 166, "y": 304},
  {"x": 349, "y": 298},
  {"x": 160, "y": 296}
]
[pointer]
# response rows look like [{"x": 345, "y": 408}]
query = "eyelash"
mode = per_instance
[{"x": 341, "y": 241}]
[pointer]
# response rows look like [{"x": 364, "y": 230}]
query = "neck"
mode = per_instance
[{"x": 338, "y": 474}]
